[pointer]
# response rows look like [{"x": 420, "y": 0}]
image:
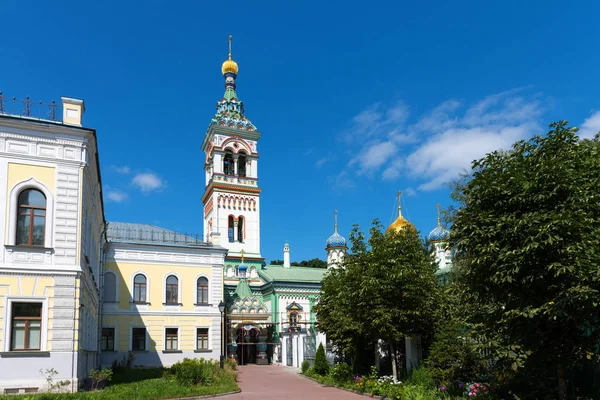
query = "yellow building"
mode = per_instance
[
  {"x": 51, "y": 228},
  {"x": 161, "y": 295}
]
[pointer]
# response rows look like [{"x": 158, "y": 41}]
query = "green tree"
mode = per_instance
[
  {"x": 386, "y": 290},
  {"x": 527, "y": 235},
  {"x": 321, "y": 366}
]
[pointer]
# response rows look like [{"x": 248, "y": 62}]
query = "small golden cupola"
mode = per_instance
[
  {"x": 229, "y": 66},
  {"x": 400, "y": 223}
]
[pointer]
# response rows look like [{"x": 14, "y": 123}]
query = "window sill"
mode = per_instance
[
  {"x": 26, "y": 353},
  {"x": 140, "y": 303},
  {"x": 172, "y": 304},
  {"x": 26, "y": 247},
  {"x": 203, "y": 304},
  {"x": 172, "y": 351},
  {"x": 203, "y": 351}
]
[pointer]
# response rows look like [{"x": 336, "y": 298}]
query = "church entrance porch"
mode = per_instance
[{"x": 248, "y": 344}]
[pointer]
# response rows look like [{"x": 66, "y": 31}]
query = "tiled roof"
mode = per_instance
[{"x": 277, "y": 273}]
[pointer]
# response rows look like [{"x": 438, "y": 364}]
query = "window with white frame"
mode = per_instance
[
  {"x": 139, "y": 288},
  {"x": 31, "y": 218},
  {"x": 138, "y": 339},
  {"x": 202, "y": 339},
  {"x": 108, "y": 339},
  {"x": 202, "y": 290},
  {"x": 26, "y": 326},
  {"x": 171, "y": 339},
  {"x": 171, "y": 290}
]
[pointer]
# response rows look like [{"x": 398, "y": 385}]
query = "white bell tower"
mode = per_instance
[{"x": 232, "y": 197}]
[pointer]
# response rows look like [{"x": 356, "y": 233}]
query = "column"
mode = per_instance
[{"x": 235, "y": 230}]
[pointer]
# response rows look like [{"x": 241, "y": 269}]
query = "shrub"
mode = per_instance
[
  {"x": 99, "y": 376},
  {"x": 453, "y": 357},
  {"x": 421, "y": 376},
  {"x": 230, "y": 362},
  {"x": 341, "y": 373},
  {"x": 305, "y": 366},
  {"x": 321, "y": 366},
  {"x": 195, "y": 371}
]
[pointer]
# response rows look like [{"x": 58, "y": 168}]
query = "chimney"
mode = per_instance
[
  {"x": 73, "y": 110},
  {"x": 286, "y": 255}
]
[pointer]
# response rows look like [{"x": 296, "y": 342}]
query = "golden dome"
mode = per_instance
[
  {"x": 399, "y": 224},
  {"x": 229, "y": 66}
]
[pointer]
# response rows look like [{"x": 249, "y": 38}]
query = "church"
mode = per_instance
[{"x": 78, "y": 292}]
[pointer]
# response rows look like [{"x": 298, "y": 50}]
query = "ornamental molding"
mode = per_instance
[
  {"x": 162, "y": 257},
  {"x": 38, "y": 139}
]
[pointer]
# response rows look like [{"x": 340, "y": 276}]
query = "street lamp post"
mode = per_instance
[{"x": 222, "y": 310}]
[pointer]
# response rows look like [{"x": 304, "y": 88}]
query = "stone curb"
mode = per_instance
[
  {"x": 341, "y": 388},
  {"x": 207, "y": 396}
]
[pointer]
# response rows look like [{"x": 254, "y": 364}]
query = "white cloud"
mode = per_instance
[
  {"x": 148, "y": 182},
  {"x": 590, "y": 126},
  {"x": 321, "y": 161},
  {"x": 442, "y": 142},
  {"x": 122, "y": 170},
  {"x": 116, "y": 196}
]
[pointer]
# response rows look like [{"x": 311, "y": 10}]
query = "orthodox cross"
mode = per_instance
[
  {"x": 438, "y": 212},
  {"x": 399, "y": 204},
  {"x": 229, "y": 43},
  {"x": 53, "y": 106},
  {"x": 242, "y": 252},
  {"x": 335, "y": 220}
]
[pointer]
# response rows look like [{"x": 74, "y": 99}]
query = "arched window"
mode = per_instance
[
  {"x": 139, "y": 289},
  {"x": 172, "y": 289},
  {"x": 110, "y": 287},
  {"x": 202, "y": 290},
  {"x": 241, "y": 229},
  {"x": 228, "y": 165},
  {"x": 242, "y": 165},
  {"x": 31, "y": 218},
  {"x": 230, "y": 228}
]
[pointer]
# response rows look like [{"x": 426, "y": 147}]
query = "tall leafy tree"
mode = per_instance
[
  {"x": 384, "y": 290},
  {"x": 528, "y": 236}
]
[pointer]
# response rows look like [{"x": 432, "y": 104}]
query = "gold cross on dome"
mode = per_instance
[
  {"x": 229, "y": 44},
  {"x": 438, "y": 212},
  {"x": 242, "y": 252}
]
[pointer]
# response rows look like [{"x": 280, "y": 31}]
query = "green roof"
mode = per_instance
[
  {"x": 243, "y": 289},
  {"x": 277, "y": 273}
]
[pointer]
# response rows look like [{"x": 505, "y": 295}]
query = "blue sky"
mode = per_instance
[{"x": 355, "y": 100}]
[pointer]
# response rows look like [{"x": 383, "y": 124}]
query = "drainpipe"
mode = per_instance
[{"x": 101, "y": 294}]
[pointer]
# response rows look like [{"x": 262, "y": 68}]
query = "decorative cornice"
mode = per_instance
[{"x": 234, "y": 189}]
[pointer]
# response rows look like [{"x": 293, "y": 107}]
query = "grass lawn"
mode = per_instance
[{"x": 142, "y": 384}]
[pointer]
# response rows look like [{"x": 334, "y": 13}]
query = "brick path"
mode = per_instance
[{"x": 266, "y": 382}]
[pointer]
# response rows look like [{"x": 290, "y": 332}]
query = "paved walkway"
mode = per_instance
[{"x": 267, "y": 382}]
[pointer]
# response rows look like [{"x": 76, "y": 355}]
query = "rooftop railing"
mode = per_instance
[
  {"x": 153, "y": 236},
  {"x": 30, "y": 109}
]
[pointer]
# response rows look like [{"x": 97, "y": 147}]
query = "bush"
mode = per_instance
[
  {"x": 341, "y": 373},
  {"x": 195, "y": 371},
  {"x": 100, "y": 377},
  {"x": 453, "y": 357},
  {"x": 321, "y": 366},
  {"x": 230, "y": 362},
  {"x": 305, "y": 366},
  {"x": 421, "y": 376}
]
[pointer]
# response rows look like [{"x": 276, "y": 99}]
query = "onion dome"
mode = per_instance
[
  {"x": 400, "y": 223},
  {"x": 335, "y": 240},
  {"x": 229, "y": 66},
  {"x": 438, "y": 233}
]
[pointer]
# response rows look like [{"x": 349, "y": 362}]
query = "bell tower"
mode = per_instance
[{"x": 232, "y": 197}]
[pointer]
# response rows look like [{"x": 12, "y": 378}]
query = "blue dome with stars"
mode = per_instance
[
  {"x": 336, "y": 240},
  {"x": 438, "y": 234}
]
